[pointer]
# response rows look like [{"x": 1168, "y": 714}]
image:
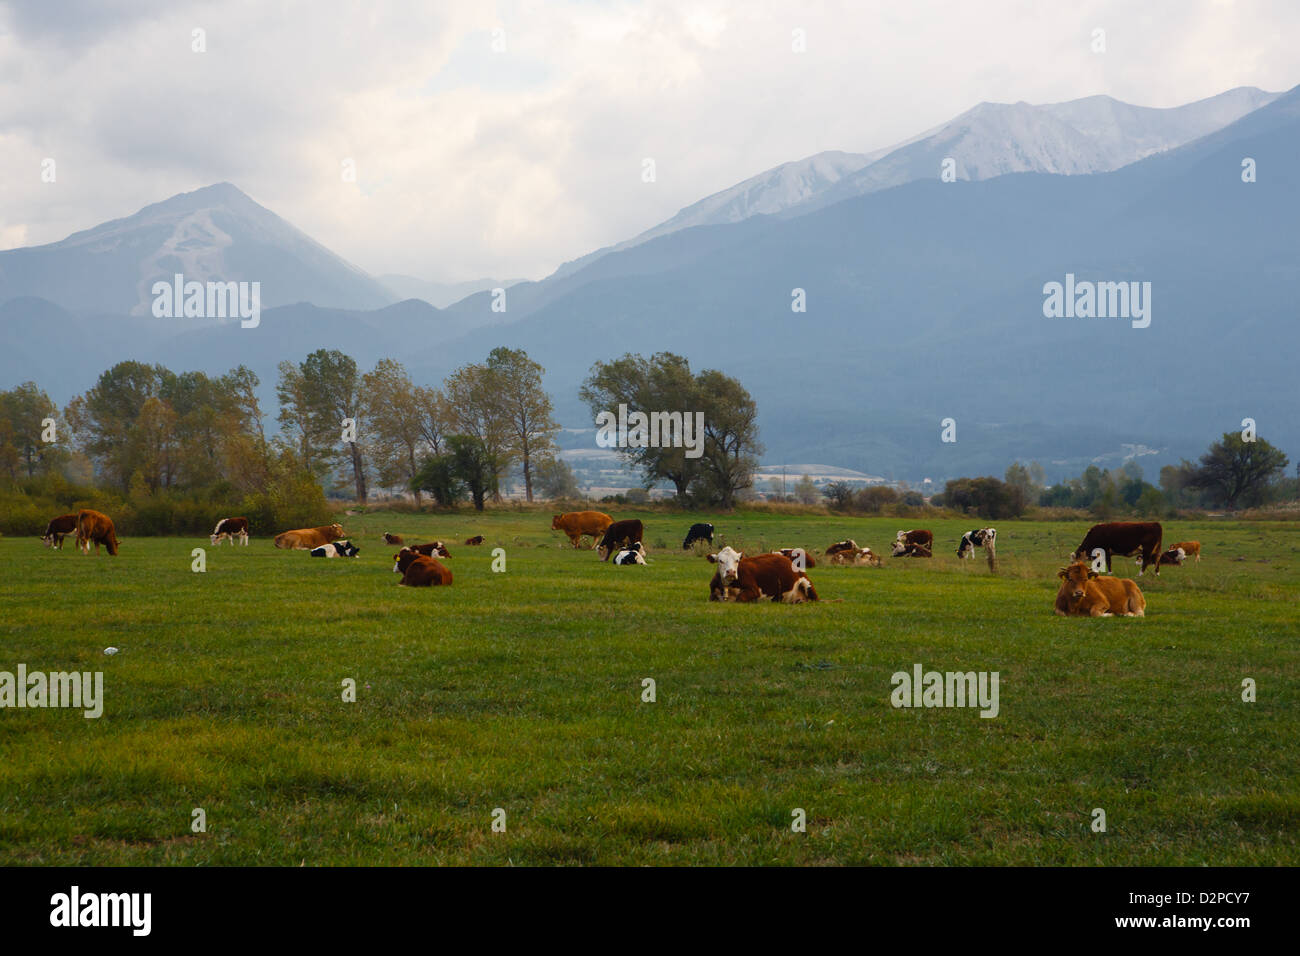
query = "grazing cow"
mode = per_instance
[
  {"x": 1172, "y": 556},
  {"x": 800, "y": 557},
  {"x": 848, "y": 544},
  {"x": 304, "y": 539},
  {"x": 771, "y": 576},
  {"x": 633, "y": 555},
  {"x": 700, "y": 531},
  {"x": 1190, "y": 548},
  {"x": 95, "y": 527},
  {"x": 620, "y": 534},
  {"x": 576, "y": 524},
  {"x": 971, "y": 540},
  {"x": 430, "y": 549},
  {"x": 419, "y": 571},
  {"x": 904, "y": 550},
  {"x": 1084, "y": 594},
  {"x": 393, "y": 538},
  {"x": 336, "y": 549},
  {"x": 1126, "y": 538},
  {"x": 477, "y": 539},
  {"x": 922, "y": 537},
  {"x": 58, "y": 529},
  {"x": 858, "y": 558},
  {"x": 230, "y": 529}
]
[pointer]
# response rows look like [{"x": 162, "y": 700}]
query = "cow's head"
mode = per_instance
[
  {"x": 336, "y": 531},
  {"x": 440, "y": 550},
  {"x": 1075, "y": 577},
  {"x": 728, "y": 562},
  {"x": 555, "y": 522},
  {"x": 900, "y": 549},
  {"x": 403, "y": 559},
  {"x": 49, "y": 540}
]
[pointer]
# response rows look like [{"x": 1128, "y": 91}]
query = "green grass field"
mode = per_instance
[{"x": 522, "y": 690}]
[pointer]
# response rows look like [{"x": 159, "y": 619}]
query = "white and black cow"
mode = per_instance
[
  {"x": 336, "y": 549},
  {"x": 632, "y": 555},
  {"x": 700, "y": 531},
  {"x": 982, "y": 538},
  {"x": 231, "y": 528}
]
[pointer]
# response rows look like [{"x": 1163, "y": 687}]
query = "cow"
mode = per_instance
[
  {"x": 904, "y": 550},
  {"x": 848, "y": 544},
  {"x": 1084, "y": 593},
  {"x": 922, "y": 537},
  {"x": 1190, "y": 548},
  {"x": 336, "y": 549},
  {"x": 771, "y": 576},
  {"x": 620, "y": 534},
  {"x": 633, "y": 555},
  {"x": 97, "y": 528},
  {"x": 1126, "y": 538},
  {"x": 419, "y": 571},
  {"x": 58, "y": 529},
  {"x": 858, "y": 558},
  {"x": 700, "y": 531},
  {"x": 393, "y": 539},
  {"x": 981, "y": 538},
  {"x": 1172, "y": 556},
  {"x": 430, "y": 549},
  {"x": 477, "y": 539},
  {"x": 230, "y": 528},
  {"x": 576, "y": 524},
  {"x": 800, "y": 556},
  {"x": 304, "y": 539}
]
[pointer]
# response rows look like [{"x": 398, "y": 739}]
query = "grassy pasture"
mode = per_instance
[{"x": 522, "y": 690}]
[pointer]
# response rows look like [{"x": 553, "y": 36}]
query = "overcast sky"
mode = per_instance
[{"x": 472, "y": 162}]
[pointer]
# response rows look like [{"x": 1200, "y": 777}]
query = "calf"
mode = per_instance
[
  {"x": 700, "y": 531},
  {"x": 1174, "y": 555},
  {"x": 58, "y": 529},
  {"x": 1190, "y": 548},
  {"x": 336, "y": 549},
  {"x": 801, "y": 558},
  {"x": 771, "y": 576},
  {"x": 419, "y": 571},
  {"x": 430, "y": 549},
  {"x": 971, "y": 540},
  {"x": 848, "y": 544},
  {"x": 621, "y": 534},
  {"x": 859, "y": 558},
  {"x": 634, "y": 555},
  {"x": 922, "y": 537},
  {"x": 393, "y": 538},
  {"x": 477, "y": 539},
  {"x": 1084, "y": 594},
  {"x": 230, "y": 529},
  {"x": 1124, "y": 537},
  {"x": 905, "y": 550}
]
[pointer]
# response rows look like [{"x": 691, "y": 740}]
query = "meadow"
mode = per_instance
[{"x": 522, "y": 690}]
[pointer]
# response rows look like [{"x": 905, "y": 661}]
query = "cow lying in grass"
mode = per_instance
[
  {"x": 418, "y": 571},
  {"x": 800, "y": 556},
  {"x": 771, "y": 576},
  {"x": 1084, "y": 593},
  {"x": 862, "y": 557},
  {"x": 904, "y": 550},
  {"x": 430, "y": 549},
  {"x": 1174, "y": 555},
  {"x": 336, "y": 549},
  {"x": 632, "y": 555}
]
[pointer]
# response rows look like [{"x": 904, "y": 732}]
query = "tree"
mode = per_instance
[
  {"x": 104, "y": 418},
  {"x": 473, "y": 465},
  {"x": 525, "y": 408},
  {"x": 805, "y": 491},
  {"x": 437, "y": 475},
  {"x": 474, "y": 408},
  {"x": 986, "y": 497},
  {"x": 23, "y": 412},
  {"x": 839, "y": 494},
  {"x": 1235, "y": 470},
  {"x": 316, "y": 398},
  {"x": 397, "y": 423},
  {"x": 555, "y": 479},
  {"x": 731, "y": 443}
]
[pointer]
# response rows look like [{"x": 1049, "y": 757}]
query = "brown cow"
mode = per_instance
[
  {"x": 230, "y": 528},
  {"x": 58, "y": 529},
  {"x": 418, "y": 571},
  {"x": 798, "y": 554},
  {"x": 304, "y": 539},
  {"x": 94, "y": 526},
  {"x": 393, "y": 538},
  {"x": 771, "y": 576},
  {"x": 1124, "y": 537},
  {"x": 477, "y": 539},
  {"x": 430, "y": 549},
  {"x": 848, "y": 544},
  {"x": 922, "y": 537},
  {"x": 620, "y": 534},
  {"x": 578, "y": 523},
  {"x": 858, "y": 558},
  {"x": 1190, "y": 548},
  {"x": 1084, "y": 594}
]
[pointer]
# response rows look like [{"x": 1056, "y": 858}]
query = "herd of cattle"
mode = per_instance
[{"x": 780, "y": 575}]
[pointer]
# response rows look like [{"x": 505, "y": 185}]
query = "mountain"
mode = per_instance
[
  {"x": 212, "y": 234},
  {"x": 440, "y": 294}
]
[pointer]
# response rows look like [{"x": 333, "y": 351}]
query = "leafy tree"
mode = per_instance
[
  {"x": 839, "y": 494},
  {"x": 438, "y": 476},
  {"x": 874, "y": 499},
  {"x": 525, "y": 407},
  {"x": 23, "y": 451},
  {"x": 805, "y": 491},
  {"x": 731, "y": 443},
  {"x": 1235, "y": 470},
  {"x": 555, "y": 479},
  {"x": 397, "y": 423},
  {"x": 474, "y": 408},
  {"x": 474, "y": 466},
  {"x": 986, "y": 497},
  {"x": 315, "y": 399}
]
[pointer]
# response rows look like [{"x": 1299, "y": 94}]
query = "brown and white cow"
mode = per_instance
[
  {"x": 771, "y": 576},
  {"x": 419, "y": 571},
  {"x": 576, "y": 524},
  {"x": 1084, "y": 593},
  {"x": 848, "y": 544},
  {"x": 230, "y": 528},
  {"x": 620, "y": 534},
  {"x": 393, "y": 538},
  {"x": 430, "y": 549},
  {"x": 476, "y": 540},
  {"x": 1172, "y": 556},
  {"x": 1126, "y": 538},
  {"x": 58, "y": 529},
  {"x": 1190, "y": 548},
  {"x": 800, "y": 556},
  {"x": 904, "y": 550},
  {"x": 863, "y": 557},
  {"x": 304, "y": 539},
  {"x": 922, "y": 537},
  {"x": 97, "y": 528}
]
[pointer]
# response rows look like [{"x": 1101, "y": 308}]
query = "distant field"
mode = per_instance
[{"x": 522, "y": 690}]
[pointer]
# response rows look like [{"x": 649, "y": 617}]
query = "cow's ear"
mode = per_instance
[
  {"x": 1063, "y": 572},
  {"x": 713, "y": 558},
  {"x": 1092, "y": 573}
]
